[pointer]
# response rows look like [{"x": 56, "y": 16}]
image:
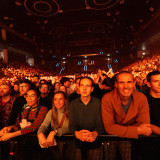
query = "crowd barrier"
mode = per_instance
[{"x": 141, "y": 148}]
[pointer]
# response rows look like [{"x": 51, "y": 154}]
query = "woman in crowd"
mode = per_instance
[
  {"x": 31, "y": 118},
  {"x": 57, "y": 118},
  {"x": 56, "y": 86}
]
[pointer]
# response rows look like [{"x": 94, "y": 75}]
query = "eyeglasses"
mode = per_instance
[
  {"x": 23, "y": 86},
  {"x": 30, "y": 96},
  {"x": 44, "y": 87}
]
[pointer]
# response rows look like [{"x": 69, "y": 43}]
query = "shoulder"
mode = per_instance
[
  {"x": 75, "y": 101},
  {"x": 138, "y": 95},
  {"x": 108, "y": 95},
  {"x": 95, "y": 99},
  {"x": 44, "y": 109}
]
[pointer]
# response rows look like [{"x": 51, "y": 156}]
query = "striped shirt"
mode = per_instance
[{"x": 31, "y": 117}]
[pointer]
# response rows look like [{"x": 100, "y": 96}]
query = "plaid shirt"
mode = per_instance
[{"x": 5, "y": 112}]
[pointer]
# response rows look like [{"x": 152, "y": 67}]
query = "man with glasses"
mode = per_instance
[
  {"x": 45, "y": 98},
  {"x": 125, "y": 113},
  {"x": 20, "y": 101}
]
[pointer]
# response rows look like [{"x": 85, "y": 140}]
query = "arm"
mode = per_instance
[
  {"x": 155, "y": 129},
  {"x": 8, "y": 129},
  {"x": 82, "y": 134},
  {"x": 16, "y": 109},
  {"x": 143, "y": 116},
  {"x": 8, "y": 136},
  {"x": 98, "y": 120},
  {"x": 47, "y": 121},
  {"x": 72, "y": 124},
  {"x": 64, "y": 129}
]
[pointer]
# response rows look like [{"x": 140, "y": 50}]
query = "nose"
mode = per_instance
[{"x": 125, "y": 85}]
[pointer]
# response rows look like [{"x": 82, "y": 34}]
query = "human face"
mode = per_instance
[
  {"x": 62, "y": 88},
  {"x": 35, "y": 80},
  {"x": 154, "y": 84},
  {"x": 31, "y": 98},
  {"x": 85, "y": 87},
  {"x": 66, "y": 84},
  {"x": 77, "y": 85},
  {"x": 44, "y": 89},
  {"x": 125, "y": 84},
  {"x": 4, "y": 90},
  {"x": 59, "y": 100},
  {"x": 16, "y": 87},
  {"x": 23, "y": 88},
  {"x": 57, "y": 85},
  {"x": 71, "y": 81}
]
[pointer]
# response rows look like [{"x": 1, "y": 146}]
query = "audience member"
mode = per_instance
[
  {"x": 57, "y": 117},
  {"x": 125, "y": 113},
  {"x": 85, "y": 122}
]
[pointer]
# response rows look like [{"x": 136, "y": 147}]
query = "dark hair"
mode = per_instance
[
  {"x": 123, "y": 72},
  {"x": 63, "y": 80},
  {"x": 153, "y": 73},
  {"x": 27, "y": 81},
  {"x": 36, "y": 91},
  {"x": 44, "y": 84},
  {"x": 36, "y": 76},
  {"x": 108, "y": 82},
  {"x": 78, "y": 79},
  {"x": 43, "y": 80},
  {"x": 88, "y": 79}
]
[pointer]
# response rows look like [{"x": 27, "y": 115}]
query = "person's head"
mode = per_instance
[
  {"x": 86, "y": 86},
  {"x": 56, "y": 86},
  {"x": 44, "y": 88},
  {"x": 63, "y": 89},
  {"x": 125, "y": 83},
  {"x": 16, "y": 86},
  {"x": 137, "y": 79},
  {"x": 59, "y": 103},
  {"x": 71, "y": 81},
  {"x": 42, "y": 81},
  {"x": 32, "y": 97},
  {"x": 153, "y": 82},
  {"x": 35, "y": 79},
  {"x": 24, "y": 86},
  {"x": 59, "y": 99},
  {"x": 65, "y": 81},
  {"x": 77, "y": 84},
  {"x": 108, "y": 82},
  {"x": 5, "y": 89}
]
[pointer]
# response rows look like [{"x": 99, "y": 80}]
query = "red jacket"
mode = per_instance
[{"x": 117, "y": 122}]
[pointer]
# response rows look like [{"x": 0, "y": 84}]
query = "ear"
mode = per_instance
[
  {"x": 92, "y": 89},
  {"x": 116, "y": 84},
  {"x": 134, "y": 83},
  {"x": 149, "y": 84}
]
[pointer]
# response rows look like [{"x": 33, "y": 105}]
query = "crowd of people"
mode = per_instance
[{"x": 86, "y": 106}]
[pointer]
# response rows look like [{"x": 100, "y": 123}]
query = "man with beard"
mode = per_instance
[
  {"x": 6, "y": 102},
  {"x": 125, "y": 113},
  {"x": 20, "y": 101}
]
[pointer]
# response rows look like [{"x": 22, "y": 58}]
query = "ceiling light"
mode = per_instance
[
  {"x": 18, "y": 3},
  {"x": 5, "y": 18}
]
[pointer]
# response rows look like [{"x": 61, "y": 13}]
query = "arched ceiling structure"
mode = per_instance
[{"x": 55, "y": 28}]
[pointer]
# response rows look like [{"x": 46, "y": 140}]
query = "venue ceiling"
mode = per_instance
[{"x": 56, "y": 28}]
